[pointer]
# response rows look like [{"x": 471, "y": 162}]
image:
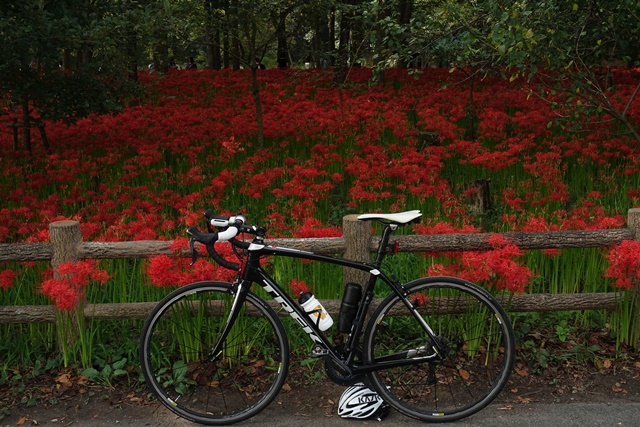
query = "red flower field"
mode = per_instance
[{"x": 150, "y": 171}]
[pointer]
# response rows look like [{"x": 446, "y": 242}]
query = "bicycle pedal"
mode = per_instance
[{"x": 318, "y": 352}]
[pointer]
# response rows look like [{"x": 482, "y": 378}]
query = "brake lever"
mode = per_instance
[{"x": 194, "y": 252}]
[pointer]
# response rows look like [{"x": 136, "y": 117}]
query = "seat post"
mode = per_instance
[{"x": 384, "y": 242}]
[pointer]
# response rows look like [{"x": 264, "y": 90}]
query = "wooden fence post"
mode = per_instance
[
  {"x": 65, "y": 238},
  {"x": 633, "y": 223},
  {"x": 358, "y": 238}
]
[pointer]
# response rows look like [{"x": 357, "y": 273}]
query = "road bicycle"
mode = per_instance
[{"x": 436, "y": 348}]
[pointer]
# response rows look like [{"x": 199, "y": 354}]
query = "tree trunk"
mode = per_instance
[
  {"x": 342, "y": 58},
  {"x": 324, "y": 40},
  {"x": 226, "y": 41},
  {"x": 212, "y": 36},
  {"x": 161, "y": 61},
  {"x": 235, "y": 37},
  {"x": 255, "y": 86},
  {"x": 26, "y": 123},
  {"x": 216, "y": 58},
  {"x": 405, "y": 11},
  {"x": 132, "y": 54},
  {"x": 281, "y": 36},
  {"x": 380, "y": 55},
  {"x": 332, "y": 32},
  {"x": 66, "y": 59},
  {"x": 256, "y": 99},
  {"x": 43, "y": 135},
  {"x": 470, "y": 130}
]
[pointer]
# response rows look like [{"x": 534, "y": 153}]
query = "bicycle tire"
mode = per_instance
[
  {"x": 478, "y": 358},
  {"x": 174, "y": 355}
]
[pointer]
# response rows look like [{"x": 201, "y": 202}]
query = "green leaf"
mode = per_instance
[
  {"x": 120, "y": 363},
  {"x": 107, "y": 371},
  {"x": 90, "y": 373}
]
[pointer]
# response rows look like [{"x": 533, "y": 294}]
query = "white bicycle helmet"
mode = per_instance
[{"x": 359, "y": 401}]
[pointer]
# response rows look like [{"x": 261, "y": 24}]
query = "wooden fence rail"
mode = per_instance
[{"x": 356, "y": 243}]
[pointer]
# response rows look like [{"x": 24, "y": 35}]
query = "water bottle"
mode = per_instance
[
  {"x": 316, "y": 311},
  {"x": 349, "y": 306}
]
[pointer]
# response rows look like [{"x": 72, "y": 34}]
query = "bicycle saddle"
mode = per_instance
[{"x": 397, "y": 218}]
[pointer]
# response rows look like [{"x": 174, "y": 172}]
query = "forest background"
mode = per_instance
[{"x": 365, "y": 105}]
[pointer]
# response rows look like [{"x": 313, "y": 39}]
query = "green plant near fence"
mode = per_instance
[{"x": 574, "y": 284}]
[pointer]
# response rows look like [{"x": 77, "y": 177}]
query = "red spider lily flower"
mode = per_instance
[
  {"x": 166, "y": 271},
  {"x": 420, "y": 299},
  {"x": 58, "y": 290},
  {"x": 298, "y": 287},
  {"x": 161, "y": 269},
  {"x": 624, "y": 264},
  {"x": 498, "y": 267},
  {"x": 68, "y": 288},
  {"x": 7, "y": 278},
  {"x": 312, "y": 227}
]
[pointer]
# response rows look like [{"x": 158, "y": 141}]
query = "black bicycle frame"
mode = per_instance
[{"x": 252, "y": 272}]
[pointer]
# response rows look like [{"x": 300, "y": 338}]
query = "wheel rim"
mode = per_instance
[
  {"x": 228, "y": 387},
  {"x": 478, "y": 341}
]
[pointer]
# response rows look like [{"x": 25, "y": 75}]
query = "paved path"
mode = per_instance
[
  {"x": 534, "y": 415},
  {"x": 620, "y": 413}
]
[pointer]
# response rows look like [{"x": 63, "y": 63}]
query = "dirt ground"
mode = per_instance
[{"x": 63, "y": 399}]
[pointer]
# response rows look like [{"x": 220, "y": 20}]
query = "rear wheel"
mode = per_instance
[
  {"x": 476, "y": 342},
  {"x": 225, "y": 388}
]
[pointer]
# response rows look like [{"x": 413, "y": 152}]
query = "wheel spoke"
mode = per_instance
[
  {"x": 241, "y": 381},
  {"x": 476, "y": 350}
]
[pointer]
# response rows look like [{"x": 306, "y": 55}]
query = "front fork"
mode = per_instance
[{"x": 241, "y": 290}]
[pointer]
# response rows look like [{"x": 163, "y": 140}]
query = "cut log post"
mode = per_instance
[
  {"x": 357, "y": 235},
  {"x": 633, "y": 223},
  {"x": 478, "y": 196},
  {"x": 66, "y": 238}
]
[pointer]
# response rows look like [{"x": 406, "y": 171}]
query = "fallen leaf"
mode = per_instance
[
  {"x": 617, "y": 388},
  {"x": 464, "y": 374},
  {"x": 607, "y": 364},
  {"x": 65, "y": 380},
  {"x": 286, "y": 388},
  {"x": 21, "y": 421},
  {"x": 522, "y": 372}
]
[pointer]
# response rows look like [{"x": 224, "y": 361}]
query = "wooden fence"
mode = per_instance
[{"x": 356, "y": 243}]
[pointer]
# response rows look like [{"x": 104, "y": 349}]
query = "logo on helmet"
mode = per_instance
[{"x": 359, "y": 401}]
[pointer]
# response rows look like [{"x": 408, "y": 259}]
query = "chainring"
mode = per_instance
[{"x": 337, "y": 374}]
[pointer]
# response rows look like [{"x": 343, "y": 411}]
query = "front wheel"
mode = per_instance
[
  {"x": 453, "y": 374},
  {"x": 213, "y": 389}
]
